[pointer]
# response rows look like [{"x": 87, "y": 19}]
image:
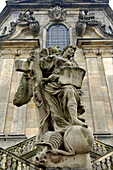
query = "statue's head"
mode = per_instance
[
  {"x": 44, "y": 52},
  {"x": 68, "y": 51}
]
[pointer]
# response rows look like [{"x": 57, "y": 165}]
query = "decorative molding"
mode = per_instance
[
  {"x": 60, "y": 1},
  {"x": 96, "y": 42},
  {"x": 57, "y": 14},
  {"x": 11, "y": 53},
  {"x": 97, "y": 51},
  {"x": 14, "y": 49},
  {"x": 87, "y": 20},
  {"x": 25, "y": 19},
  {"x": 57, "y": 2}
]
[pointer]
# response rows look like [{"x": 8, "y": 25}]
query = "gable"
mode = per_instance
[{"x": 11, "y": 29}]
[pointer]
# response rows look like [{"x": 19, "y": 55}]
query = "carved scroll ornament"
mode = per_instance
[
  {"x": 25, "y": 19},
  {"x": 57, "y": 13}
]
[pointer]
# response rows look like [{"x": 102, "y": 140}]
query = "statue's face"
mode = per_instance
[{"x": 69, "y": 53}]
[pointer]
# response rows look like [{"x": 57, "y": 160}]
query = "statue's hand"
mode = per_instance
[
  {"x": 53, "y": 77},
  {"x": 31, "y": 58},
  {"x": 44, "y": 80}
]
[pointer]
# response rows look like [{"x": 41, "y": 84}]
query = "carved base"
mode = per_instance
[
  {"x": 65, "y": 169},
  {"x": 61, "y": 162}
]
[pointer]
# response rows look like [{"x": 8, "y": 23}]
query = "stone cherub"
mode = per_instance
[{"x": 57, "y": 97}]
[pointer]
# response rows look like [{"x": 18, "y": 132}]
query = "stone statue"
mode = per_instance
[{"x": 58, "y": 99}]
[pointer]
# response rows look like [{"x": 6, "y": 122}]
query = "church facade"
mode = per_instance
[{"x": 27, "y": 25}]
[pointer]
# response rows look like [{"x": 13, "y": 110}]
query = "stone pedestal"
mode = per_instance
[{"x": 78, "y": 162}]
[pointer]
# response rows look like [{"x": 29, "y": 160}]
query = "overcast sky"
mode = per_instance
[{"x": 3, "y": 4}]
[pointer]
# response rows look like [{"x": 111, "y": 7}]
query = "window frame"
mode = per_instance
[
  {"x": 43, "y": 44},
  {"x": 57, "y": 34}
]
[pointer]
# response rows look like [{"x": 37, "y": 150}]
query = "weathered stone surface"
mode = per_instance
[
  {"x": 9, "y": 118},
  {"x": 10, "y": 110},
  {"x": 108, "y": 66},
  {"x": 79, "y": 162},
  {"x": 1, "y": 63},
  {"x": 85, "y": 88},
  {"x": 110, "y": 86},
  {"x": 61, "y": 131},
  {"x": 19, "y": 120},
  {"x": 3, "y": 111},
  {"x": 5, "y": 88},
  {"x": 100, "y": 122},
  {"x": 5, "y": 81},
  {"x": 7, "y": 67},
  {"x": 78, "y": 138},
  {"x": 31, "y": 120}
]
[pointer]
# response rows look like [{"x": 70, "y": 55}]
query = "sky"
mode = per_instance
[{"x": 3, "y": 4}]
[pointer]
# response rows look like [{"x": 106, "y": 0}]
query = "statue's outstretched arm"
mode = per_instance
[{"x": 24, "y": 91}]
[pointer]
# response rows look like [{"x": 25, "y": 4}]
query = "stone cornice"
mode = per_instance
[
  {"x": 109, "y": 12},
  {"x": 98, "y": 52},
  {"x": 94, "y": 42},
  {"x": 17, "y": 48},
  {"x": 85, "y": 1},
  {"x": 69, "y": 4},
  {"x": 20, "y": 42},
  {"x": 96, "y": 47}
]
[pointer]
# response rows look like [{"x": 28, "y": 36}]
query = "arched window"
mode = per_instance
[{"x": 57, "y": 34}]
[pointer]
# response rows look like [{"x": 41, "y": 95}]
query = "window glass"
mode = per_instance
[{"x": 57, "y": 34}]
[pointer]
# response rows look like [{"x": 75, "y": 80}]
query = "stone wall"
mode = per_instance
[
  {"x": 97, "y": 88},
  {"x": 18, "y": 123}
]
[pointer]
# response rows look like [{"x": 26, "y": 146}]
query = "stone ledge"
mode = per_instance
[
  {"x": 104, "y": 138},
  {"x": 103, "y": 135},
  {"x": 65, "y": 169},
  {"x": 12, "y": 137}
]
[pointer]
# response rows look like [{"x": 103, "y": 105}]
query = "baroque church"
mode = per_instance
[{"x": 31, "y": 25}]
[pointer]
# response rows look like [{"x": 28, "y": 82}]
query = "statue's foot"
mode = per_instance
[{"x": 78, "y": 122}]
